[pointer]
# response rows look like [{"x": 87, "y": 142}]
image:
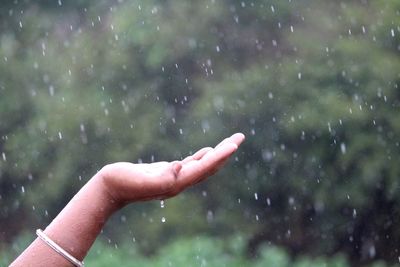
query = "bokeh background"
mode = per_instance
[{"x": 313, "y": 84}]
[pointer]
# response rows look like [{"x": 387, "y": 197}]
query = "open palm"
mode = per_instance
[{"x": 127, "y": 182}]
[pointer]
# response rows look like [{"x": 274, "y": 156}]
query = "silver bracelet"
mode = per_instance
[{"x": 59, "y": 249}]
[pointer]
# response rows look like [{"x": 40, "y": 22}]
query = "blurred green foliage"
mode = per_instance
[
  {"x": 204, "y": 251},
  {"x": 313, "y": 84}
]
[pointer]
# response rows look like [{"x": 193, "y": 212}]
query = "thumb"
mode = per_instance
[{"x": 176, "y": 167}]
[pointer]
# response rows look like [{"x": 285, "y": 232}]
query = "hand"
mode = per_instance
[{"x": 128, "y": 182}]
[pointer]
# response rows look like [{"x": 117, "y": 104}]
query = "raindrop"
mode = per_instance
[
  {"x": 163, "y": 219},
  {"x": 217, "y": 48},
  {"x": 4, "y": 156},
  {"x": 60, "y": 135},
  {"x": 255, "y": 196},
  {"x": 372, "y": 251},
  {"x": 299, "y": 75},
  {"x": 23, "y": 189},
  {"x": 162, "y": 204},
  {"x": 363, "y": 29},
  {"x": 343, "y": 148},
  {"x": 210, "y": 216},
  {"x": 392, "y": 32},
  {"x": 354, "y": 213},
  {"x": 51, "y": 90},
  {"x": 268, "y": 201},
  {"x": 59, "y": 3}
]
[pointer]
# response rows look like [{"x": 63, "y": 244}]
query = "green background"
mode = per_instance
[{"x": 314, "y": 85}]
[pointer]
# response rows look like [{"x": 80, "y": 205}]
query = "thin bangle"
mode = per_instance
[{"x": 59, "y": 249}]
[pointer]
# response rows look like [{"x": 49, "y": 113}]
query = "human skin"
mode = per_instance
[{"x": 76, "y": 227}]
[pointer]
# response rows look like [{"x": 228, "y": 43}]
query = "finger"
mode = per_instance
[
  {"x": 194, "y": 170},
  {"x": 225, "y": 141},
  {"x": 176, "y": 168},
  {"x": 217, "y": 167},
  {"x": 236, "y": 138},
  {"x": 198, "y": 155}
]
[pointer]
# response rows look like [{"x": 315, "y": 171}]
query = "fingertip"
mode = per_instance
[{"x": 238, "y": 138}]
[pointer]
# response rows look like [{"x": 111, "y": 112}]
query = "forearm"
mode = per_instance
[{"x": 74, "y": 229}]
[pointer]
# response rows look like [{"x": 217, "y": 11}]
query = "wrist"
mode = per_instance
[{"x": 109, "y": 201}]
